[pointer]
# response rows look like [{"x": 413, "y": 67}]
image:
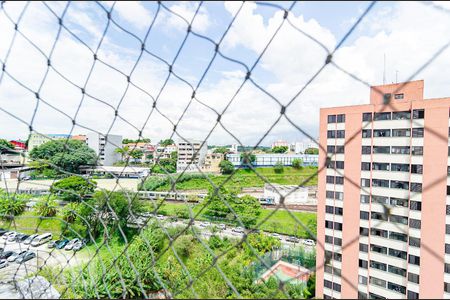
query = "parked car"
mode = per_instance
[
  {"x": 277, "y": 236},
  {"x": 62, "y": 243},
  {"x": 41, "y": 239},
  {"x": 30, "y": 239},
  {"x": 21, "y": 237},
  {"x": 160, "y": 217},
  {"x": 12, "y": 237},
  {"x": 26, "y": 257},
  {"x": 52, "y": 244},
  {"x": 238, "y": 229},
  {"x": 6, "y": 254},
  {"x": 3, "y": 231},
  {"x": 78, "y": 245},
  {"x": 7, "y": 234},
  {"x": 292, "y": 239},
  {"x": 72, "y": 243},
  {"x": 222, "y": 226},
  {"x": 16, "y": 255},
  {"x": 309, "y": 242},
  {"x": 3, "y": 263}
]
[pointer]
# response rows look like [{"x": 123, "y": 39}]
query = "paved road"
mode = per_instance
[{"x": 228, "y": 231}]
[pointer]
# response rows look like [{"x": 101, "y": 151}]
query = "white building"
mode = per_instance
[
  {"x": 292, "y": 194},
  {"x": 164, "y": 151},
  {"x": 298, "y": 147},
  {"x": 280, "y": 143},
  {"x": 104, "y": 147},
  {"x": 270, "y": 159},
  {"x": 234, "y": 148},
  {"x": 191, "y": 154},
  {"x": 37, "y": 139}
]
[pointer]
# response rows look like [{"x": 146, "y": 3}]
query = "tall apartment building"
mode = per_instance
[
  {"x": 383, "y": 204},
  {"x": 191, "y": 154},
  {"x": 104, "y": 147}
]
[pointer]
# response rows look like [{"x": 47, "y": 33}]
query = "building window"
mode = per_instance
[
  {"x": 418, "y": 114},
  {"x": 447, "y": 229},
  {"x": 447, "y": 248},
  {"x": 364, "y": 198},
  {"x": 413, "y": 278},
  {"x": 381, "y": 132},
  {"x": 337, "y": 257},
  {"x": 379, "y": 232},
  {"x": 380, "y": 183},
  {"x": 397, "y": 288},
  {"x": 330, "y": 179},
  {"x": 414, "y": 242},
  {"x": 381, "y": 149},
  {"x": 364, "y": 215},
  {"x": 365, "y": 166},
  {"x": 336, "y": 287},
  {"x": 400, "y": 167},
  {"x": 401, "y": 132},
  {"x": 377, "y": 281},
  {"x": 337, "y": 241},
  {"x": 340, "y": 134},
  {"x": 329, "y": 240},
  {"x": 331, "y": 134},
  {"x": 415, "y": 205},
  {"x": 414, "y": 223},
  {"x": 401, "y": 115},
  {"x": 338, "y": 211},
  {"x": 328, "y": 224},
  {"x": 365, "y": 182},
  {"x": 363, "y": 264},
  {"x": 403, "y": 185},
  {"x": 398, "y": 219},
  {"x": 400, "y": 150},
  {"x": 380, "y": 166},
  {"x": 397, "y": 253},
  {"x": 447, "y": 287},
  {"x": 339, "y": 180},
  {"x": 417, "y": 169},
  {"x": 362, "y": 280},
  {"x": 329, "y": 194},
  {"x": 375, "y": 296},
  {"x": 382, "y": 116},
  {"x": 329, "y": 209},
  {"x": 331, "y": 164},
  {"x": 331, "y": 149},
  {"x": 327, "y": 284},
  {"x": 367, "y": 117},
  {"x": 365, "y": 150},
  {"x": 447, "y": 268},
  {"x": 328, "y": 269},
  {"x": 378, "y": 249},
  {"x": 417, "y": 132},
  {"x": 366, "y": 133},
  {"x": 363, "y": 248},
  {"x": 339, "y": 149},
  {"x": 397, "y": 271},
  {"x": 337, "y": 226},
  {"x": 378, "y": 216},
  {"x": 339, "y": 195},
  {"x": 398, "y": 236},
  {"x": 380, "y": 199},
  {"x": 363, "y": 231},
  {"x": 413, "y": 295},
  {"x": 340, "y": 118},
  {"x": 416, "y": 187},
  {"x": 339, "y": 165},
  {"x": 417, "y": 150},
  {"x": 399, "y": 202},
  {"x": 398, "y": 96},
  {"x": 415, "y": 260}
]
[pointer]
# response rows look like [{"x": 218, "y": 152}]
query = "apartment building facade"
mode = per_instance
[
  {"x": 36, "y": 139},
  {"x": 104, "y": 147},
  {"x": 383, "y": 200},
  {"x": 191, "y": 155}
]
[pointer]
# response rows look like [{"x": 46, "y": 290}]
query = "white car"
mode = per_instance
[
  {"x": 238, "y": 229},
  {"x": 3, "y": 263},
  {"x": 30, "y": 239},
  {"x": 41, "y": 239},
  {"x": 16, "y": 255},
  {"x": 12, "y": 237},
  {"x": 222, "y": 226},
  {"x": 309, "y": 242},
  {"x": 6, "y": 235},
  {"x": 277, "y": 236},
  {"x": 160, "y": 217},
  {"x": 72, "y": 243}
]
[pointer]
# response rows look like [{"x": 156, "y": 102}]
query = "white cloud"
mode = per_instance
[
  {"x": 187, "y": 11},
  {"x": 134, "y": 12}
]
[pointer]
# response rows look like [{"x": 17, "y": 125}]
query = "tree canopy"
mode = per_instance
[
  {"x": 248, "y": 158},
  {"x": 226, "y": 167},
  {"x": 297, "y": 163},
  {"x": 67, "y": 155},
  {"x": 280, "y": 149},
  {"x": 5, "y": 146},
  {"x": 130, "y": 141},
  {"x": 166, "y": 142},
  {"x": 312, "y": 151},
  {"x": 73, "y": 188},
  {"x": 222, "y": 150}
]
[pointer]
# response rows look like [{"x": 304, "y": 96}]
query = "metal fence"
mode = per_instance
[{"x": 159, "y": 258}]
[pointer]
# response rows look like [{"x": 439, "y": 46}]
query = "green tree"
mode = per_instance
[
  {"x": 246, "y": 208},
  {"x": 222, "y": 150},
  {"x": 124, "y": 151},
  {"x": 297, "y": 163},
  {"x": 278, "y": 168},
  {"x": 174, "y": 155},
  {"x": 68, "y": 155},
  {"x": 73, "y": 188},
  {"x": 70, "y": 212},
  {"x": 248, "y": 158},
  {"x": 46, "y": 208},
  {"x": 5, "y": 146},
  {"x": 182, "y": 212},
  {"x": 311, "y": 286},
  {"x": 167, "y": 165},
  {"x": 166, "y": 142},
  {"x": 11, "y": 205},
  {"x": 280, "y": 149},
  {"x": 136, "y": 154},
  {"x": 312, "y": 151},
  {"x": 131, "y": 141},
  {"x": 183, "y": 245},
  {"x": 262, "y": 242},
  {"x": 226, "y": 167}
]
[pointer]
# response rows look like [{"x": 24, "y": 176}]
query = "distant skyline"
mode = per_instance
[{"x": 407, "y": 33}]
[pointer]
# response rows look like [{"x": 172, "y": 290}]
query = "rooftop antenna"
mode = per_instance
[{"x": 384, "y": 68}]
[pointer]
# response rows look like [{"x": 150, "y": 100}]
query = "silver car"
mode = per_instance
[
  {"x": 30, "y": 239},
  {"x": 16, "y": 255},
  {"x": 3, "y": 263},
  {"x": 72, "y": 243}
]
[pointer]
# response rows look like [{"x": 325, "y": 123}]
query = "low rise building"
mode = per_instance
[
  {"x": 280, "y": 143},
  {"x": 80, "y": 137},
  {"x": 37, "y": 139},
  {"x": 212, "y": 161},
  {"x": 191, "y": 155},
  {"x": 293, "y": 195},
  {"x": 104, "y": 147},
  {"x": 270, "y": 159}
]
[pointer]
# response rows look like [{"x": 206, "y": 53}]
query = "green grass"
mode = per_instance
[
  {"x": 280, "y": 221},
  {"x": 28, "y": 223},
  {"x": 248, "y": 178}
]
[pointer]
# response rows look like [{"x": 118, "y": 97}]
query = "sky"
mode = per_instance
[{"x": 127, "y": 91}]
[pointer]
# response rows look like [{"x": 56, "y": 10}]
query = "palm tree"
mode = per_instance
[{"x": 123, "y": 151}]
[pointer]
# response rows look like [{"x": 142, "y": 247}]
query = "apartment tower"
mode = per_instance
[{"x": 383, "y": 202}]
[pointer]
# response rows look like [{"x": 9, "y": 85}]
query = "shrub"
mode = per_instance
[
  {"x": 73, "y": 188},
  {"x": 183, "y": 245},
  {"x": 69, "y": 212},
  {"x": 297, "y": 163},
  {"x": 11, "y": 206},
  {"x": 46, "y": 208},
  {"x": 278, "y": 168},
  {"x": 182, "y": 212},
  {"x": 226, "y": 167}
]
